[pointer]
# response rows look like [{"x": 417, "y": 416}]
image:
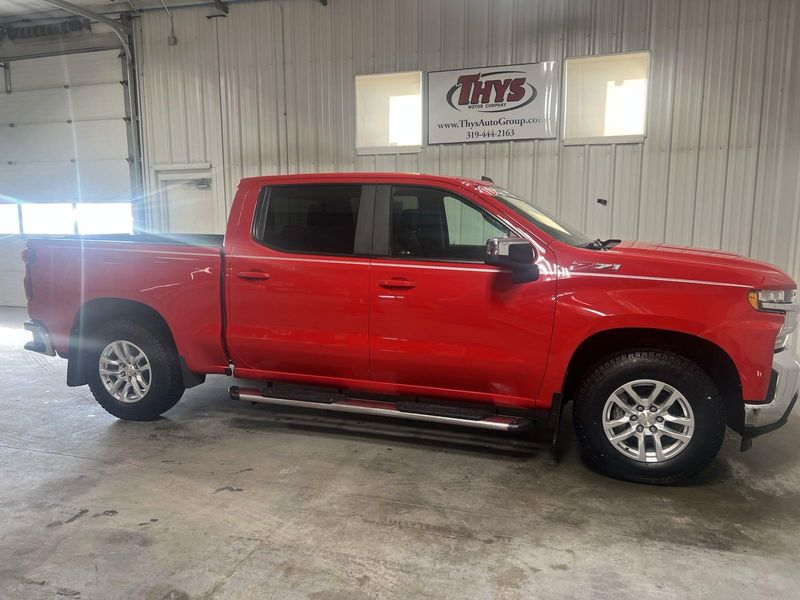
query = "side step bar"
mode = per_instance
[{"x": 412, "y": 411}]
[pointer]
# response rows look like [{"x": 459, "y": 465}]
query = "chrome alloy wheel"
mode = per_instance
[
  {"x": 125, "y": 371},
  {"x": 648, "y": 421}
]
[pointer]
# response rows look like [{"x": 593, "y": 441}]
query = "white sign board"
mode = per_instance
[{"x": 489, "y": 104}]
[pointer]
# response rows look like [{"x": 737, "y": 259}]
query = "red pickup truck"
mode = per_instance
[{"x": 430, "y": 298}]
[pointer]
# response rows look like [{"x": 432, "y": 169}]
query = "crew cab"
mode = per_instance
[{"x": 430, "y": 298}]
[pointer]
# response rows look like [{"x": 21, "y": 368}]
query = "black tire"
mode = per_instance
[
  {"x": 166, "y": 383},
  {"x": 602, "y": 380}
]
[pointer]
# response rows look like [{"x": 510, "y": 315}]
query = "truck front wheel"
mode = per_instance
[
  {"x": 134, "y": 373},
  {"x": 648, "y": 416}
]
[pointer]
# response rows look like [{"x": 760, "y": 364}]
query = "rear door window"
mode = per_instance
[{"x": 315, "y": 219}]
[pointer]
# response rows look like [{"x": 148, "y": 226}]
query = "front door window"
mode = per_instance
[{"x": 434, "y": 224}]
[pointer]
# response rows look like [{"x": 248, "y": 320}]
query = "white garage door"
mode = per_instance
[{"x": 63, "y": 154}]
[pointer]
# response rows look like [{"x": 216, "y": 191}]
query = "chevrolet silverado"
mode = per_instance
[{"x": 431, "y": 298}]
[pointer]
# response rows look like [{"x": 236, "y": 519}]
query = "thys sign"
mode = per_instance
[{"x": 514, "y": 102}]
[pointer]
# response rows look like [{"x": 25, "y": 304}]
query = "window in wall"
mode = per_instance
[
  {"x": 430, "y": 223},
  {"x": 9, "y": 218},
  {"x": 315, "y": 219},
  {"x": 389, "y": 112},
  {"x": 606, "y": 98}
]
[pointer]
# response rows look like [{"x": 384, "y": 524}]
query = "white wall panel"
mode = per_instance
[
  {"x": 774, "y": 208},
  {"x": 718, "y": 168},
  {"x": 664, "y": 26},
  {"x": 635, "y": 33},
  {"x": 686, "y": 121},
  {"x": 179, "y": 91},
  {"x": 746, "y": 121},
  {"x": 599, "y": 186},
  {"x": 712, "y": 162},
  {"x": 627, "y": 191}
]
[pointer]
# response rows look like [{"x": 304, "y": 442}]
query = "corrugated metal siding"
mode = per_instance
[
  {"x": 179, "y": 97},
  {"x": 719, "y": 167}
]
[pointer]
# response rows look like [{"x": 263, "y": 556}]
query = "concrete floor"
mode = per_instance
[{"x": 223, "y": 500}]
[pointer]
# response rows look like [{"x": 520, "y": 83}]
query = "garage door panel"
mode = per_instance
[
  {"x": 92, "y": 102},
  {"x": 72, "y": 69},
  {"x": 52, "y": 160},
  {"x": 105, "y": 180},
  {"x": 25, "y": 181},
  {"x": 35, "y": 106},
  {"x": 38, "y": 142},
  {"x": 103, "y": 101},
  {"x": 101, "y": 140},
  {"x": 101, "y": 181},
  {"x": 52, "y": 142}
]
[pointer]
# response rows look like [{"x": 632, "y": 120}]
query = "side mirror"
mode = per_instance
[{"x": 513, "y": 253}]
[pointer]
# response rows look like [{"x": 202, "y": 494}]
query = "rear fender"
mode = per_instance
[{"x": 95, "y": 313}]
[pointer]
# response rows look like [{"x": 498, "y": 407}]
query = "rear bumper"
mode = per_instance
[
  {"x": 763, "y": 417},
  {"x": 41, "y": 338}
]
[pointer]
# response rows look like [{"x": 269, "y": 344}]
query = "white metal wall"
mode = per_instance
[{"x": 719, "y": 167}]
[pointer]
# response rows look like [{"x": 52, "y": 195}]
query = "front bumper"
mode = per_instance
[
  {"x": 763, "y": 417},
  {"x": 41, "y": 338}
]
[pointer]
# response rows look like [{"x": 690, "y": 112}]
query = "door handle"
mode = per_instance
[
  {"x": 253, "y": 275},
  {"x": 397, "y": 284}
]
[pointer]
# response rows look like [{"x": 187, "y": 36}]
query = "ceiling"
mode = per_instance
[
  {"x": 12, "y": 11},
  {"x": 21, "y": 8}
]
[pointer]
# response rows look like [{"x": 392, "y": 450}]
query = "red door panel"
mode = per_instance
[
  {"x": 301, "y": 311},
  {"x": 310, "y": 316},
  {"x": 444, "y": 323},
  {"x": 455, "y": 328}
]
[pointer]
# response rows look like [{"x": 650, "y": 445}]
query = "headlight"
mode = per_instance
[
  {"x": 778, "y": 301},
  {"x": 767, "y": 299}
]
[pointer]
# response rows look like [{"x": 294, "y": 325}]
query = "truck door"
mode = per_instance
[
  {"x": 442, "y": 321},
  {"x": 298, "y": 286}
]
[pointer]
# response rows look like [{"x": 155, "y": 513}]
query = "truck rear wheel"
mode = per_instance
[
  {"x": 134, "y": 373},
  {"x": 648, "y": 416}
]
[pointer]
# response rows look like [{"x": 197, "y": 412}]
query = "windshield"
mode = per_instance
[{"x": 544, "y": 221}]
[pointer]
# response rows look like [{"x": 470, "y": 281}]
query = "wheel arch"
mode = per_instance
[
  {"x": 98, "y": 311},
  {"x": 707, "y": 355}
]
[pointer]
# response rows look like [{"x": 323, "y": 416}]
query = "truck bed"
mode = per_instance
[{"x": 178, "y": 276}]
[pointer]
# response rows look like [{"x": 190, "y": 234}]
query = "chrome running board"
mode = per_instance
[{"x": 411, "y": 411}]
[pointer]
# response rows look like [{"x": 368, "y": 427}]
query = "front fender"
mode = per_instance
[{"x": 719, "y": 314}]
